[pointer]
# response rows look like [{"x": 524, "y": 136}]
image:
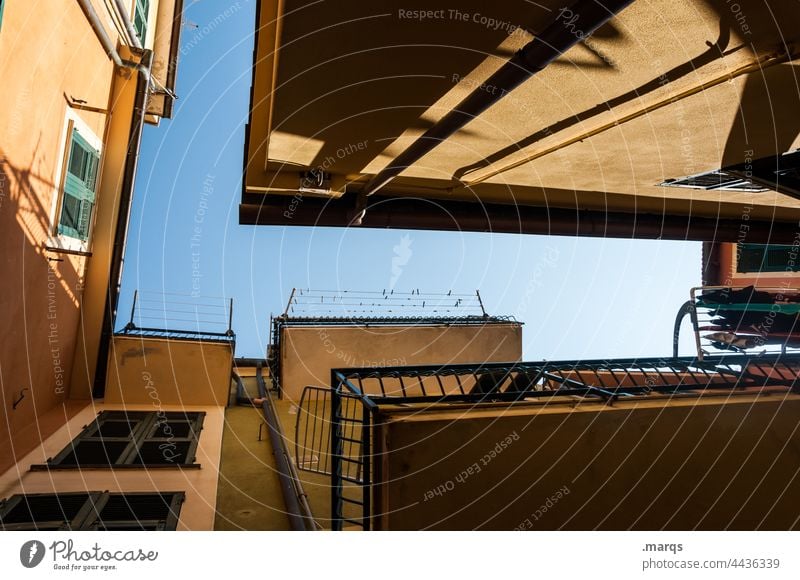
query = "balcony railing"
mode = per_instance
[
  {"x": 736, "y": 319},
  {"x": 335, "y": 426},
  {"x": 180, "y": 316}
]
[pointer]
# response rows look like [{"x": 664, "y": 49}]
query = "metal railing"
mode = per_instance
[
  {"x": 341, "y": 420},
  {"x": 182, "y": 316},
  {"x": 741, "y": 319},
  {"x": 331, "y": 437}
]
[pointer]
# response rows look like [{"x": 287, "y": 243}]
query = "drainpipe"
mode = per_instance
[
  {"x": 297, "y": 508},
  {"x": 122, "y": 12},
  {"x": 128, "y": 178},
  {"x": 123, "y": 220},
  {"x": 102, "y": 35},
  {"x": 571, "y": 26}
]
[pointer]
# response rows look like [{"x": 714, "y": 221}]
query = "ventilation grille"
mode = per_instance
[{"x": 714, "y": 180}]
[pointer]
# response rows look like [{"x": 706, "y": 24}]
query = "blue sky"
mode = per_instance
[{"x": 579, "y": 297}]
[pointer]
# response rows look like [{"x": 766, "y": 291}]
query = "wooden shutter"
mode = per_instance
[
  {"x": 80, "y": 184},
  {"x": 761, "y": 258}
]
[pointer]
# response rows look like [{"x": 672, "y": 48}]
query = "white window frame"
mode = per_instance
[
  {"x": 150, "y": 26},
  {"x": 55, "y": 240}
]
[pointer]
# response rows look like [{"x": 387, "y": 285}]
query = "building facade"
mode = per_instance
[{"x": 80, "y": 80}]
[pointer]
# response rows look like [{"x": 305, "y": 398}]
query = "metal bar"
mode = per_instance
[
  {"x": 174, "y": 331},
  {"x": 289, "y": 303},
  {"x": 337, "y": 487},
  {"x": 297, "y": 509},
  {"x": 352, "y": 501},
  {"x": 468, "y": 368},
  {"x": 366, "y": 454},
  {"x": 122, "y": 12},
  {"x": 480, "y": 301},
  {"x": 133, "y": 307},
  {"x": 100, "y": 32}
]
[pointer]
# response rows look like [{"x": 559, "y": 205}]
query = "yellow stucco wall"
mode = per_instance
[
  {"x": 712, "y": 463},
  {"x": 172, "y": 372},
  {"x": 309, "y": 354}
]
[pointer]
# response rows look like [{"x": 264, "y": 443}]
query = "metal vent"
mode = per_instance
[{"x": 718, "y": 180}]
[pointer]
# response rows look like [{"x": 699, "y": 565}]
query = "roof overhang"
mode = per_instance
[{"x": 663, "y": 91}]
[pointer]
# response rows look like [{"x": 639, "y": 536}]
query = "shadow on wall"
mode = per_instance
[
  {"x": 768, "y": 122},
  {"x": 39, "y": 313},
  {"x": 382, "y": 68},
  {"x": 716, "y": 50}
]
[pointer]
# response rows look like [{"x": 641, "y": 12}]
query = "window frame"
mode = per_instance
[
  {"x": 143, "y": 434},
  {"x": 89, "y": 515},
  {"x": 7, "y": 506},
  {"x": 58, "y": 240},
  {"x": 764, "y": 267},
  {"x": 141, "y": 8}
]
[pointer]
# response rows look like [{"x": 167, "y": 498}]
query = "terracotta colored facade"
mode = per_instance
[{"x": 57, "y": 81}]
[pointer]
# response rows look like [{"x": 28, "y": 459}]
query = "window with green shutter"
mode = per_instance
[
  {"x": 140, "y": 12},
  {"x": 761, "y": 258},
  {"x": 2, "y": 5},
  {"x": 80, "y": 183}
]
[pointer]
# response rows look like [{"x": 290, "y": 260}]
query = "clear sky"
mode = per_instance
[{"x": 579, "y": 297}]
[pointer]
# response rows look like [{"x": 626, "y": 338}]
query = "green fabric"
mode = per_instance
[{"x": 753, "y": 307}]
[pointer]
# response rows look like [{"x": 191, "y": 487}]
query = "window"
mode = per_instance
[
  {"x": 80, "y": 184},
  {"x": 717, "y": 180},
  {"x": 133, "y": 439},
  {"x": 761, "y": 258},
  {"x": 140, "y": 11},
  {"x": 92, "y": 511},
  {"x": 779, "y": 173}
]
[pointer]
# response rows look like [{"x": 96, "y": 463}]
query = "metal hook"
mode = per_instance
[{"x": 18, "y": 401}]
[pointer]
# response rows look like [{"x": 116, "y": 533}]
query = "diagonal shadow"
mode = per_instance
[{"x": 715, "y": 51}]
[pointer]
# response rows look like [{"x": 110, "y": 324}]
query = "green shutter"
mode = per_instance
[
  {"x": 80, "y": 184},
  {"x": 774, "y": 258},
  {"x": 140, "y": 12},
  {"x": 2, "y": 5}
]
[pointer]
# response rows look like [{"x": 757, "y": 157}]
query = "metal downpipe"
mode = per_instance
[
  {"x": 122, "y": 11},
  {"x": 297, "y": 508},
  {"x": 123, "y": 222}
]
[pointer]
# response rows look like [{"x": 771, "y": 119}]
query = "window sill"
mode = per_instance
[
  {"x": 62, "y": 245},
  {"x": 46, "y": 467}
]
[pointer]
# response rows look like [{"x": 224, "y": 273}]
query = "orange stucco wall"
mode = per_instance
[
  {"x": 52, "y": 303},
  {"x": 44, "y": 54}
]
